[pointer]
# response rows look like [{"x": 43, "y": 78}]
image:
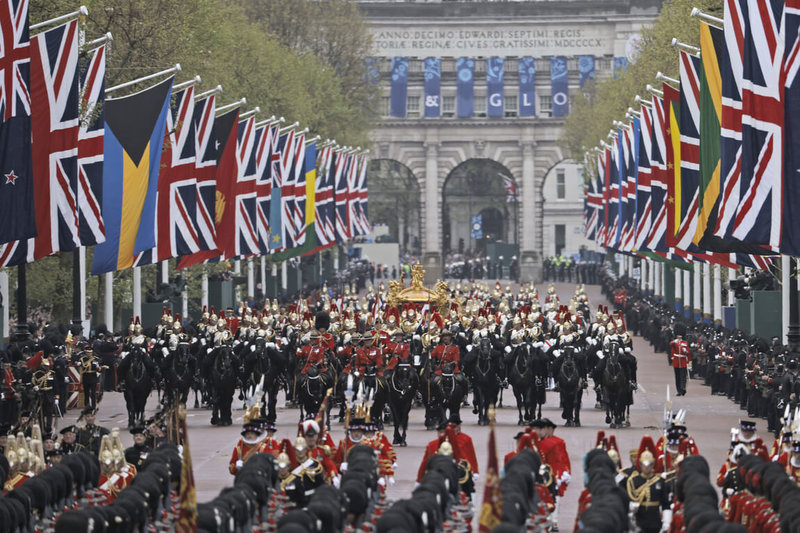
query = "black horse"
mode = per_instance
[
  {"x": 571, "y": 380},
  {"x": 312, "y": 388},
  {"x": 136, "y": 372},
  {"x": 223, "y": 383},
  {"x": 615, "y": 385},
  {"x": 262, "y": 359},
  {"x": 179, "y": 374},
  {"x": 401, "y": 387},
  {"x": 448, "y": 391},
  {"x": 520, "y": 376},
  {"x": 539, "y": 364},
  {"x": 486, "y": 375}
]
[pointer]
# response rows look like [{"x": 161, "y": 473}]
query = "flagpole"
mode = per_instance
[
  {"x": 107, "y": 38},
  {"x": 176, "y": 68},
  {"x": 215, "y": 90},
  {"x": 251, "y": 278},
  {"x": 238, "y": 103},
  {"x": 164, "y": 269},
  {"x": 688, "y": 48},
  {"x": 794, "y": 310},
  {"x": 21, "y": 331},
  {"x": 289, "y": 127},
  {"x": 187, "y": 83},
  {"x": 137, "y": 291},
  {"x": 263, "y": 268},
  {"x": 78, "y": 289},
  {"x": 109, "y": 300},
  {"x": 248, "y": 114},
  {"x": 660, "y": 76},
  {"x": 81, "y": 11},
  {"x": 708, "y": 19},
  {"x": 6, "y": 304},
  {"x": 204, "y": 289}
]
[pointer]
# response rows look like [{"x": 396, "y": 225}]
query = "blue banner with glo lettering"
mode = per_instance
[
  {"x": 527, "y": 94},
  {"x": 494, "y": 86},
  {"x": 464, "y": 87},
  {"x": 585, "y": 70},
  {"x": 620, "y": 66},
  {"x": 399, "y": 86},
  {"x": 433, "y": 83},
  {"x": 558, "y": 84}
]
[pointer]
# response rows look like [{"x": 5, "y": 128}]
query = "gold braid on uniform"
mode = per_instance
[{"x": 641, "y": 494}]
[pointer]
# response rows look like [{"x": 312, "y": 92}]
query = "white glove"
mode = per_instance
[
  {"x": 283, "y": 340},
  {"x": 165, "y": 351},
  {"x": 394, "y": 466},
  {"x": 556, "y": 353},
  {"x": 416, "y": 337},
  {"x": 239, "y": 464},
  {"x": 508, "y": 349},
  {"x": 416, "y": 484},
  {"x": 66, "y": 380},
  {"x": 475, "y": 477},
  {"x": 252, "y": 348},
  {"x": 202, "y": 342},
  {"x": 271, "y": 345},
  {"x": 337, "y": 481},
  {"x": 469, "y": 348},
  {"x": 347, "y": 338},
  {"x": 382, "y": 482},
  {"x": 565, "y": 477},
  {"x": 666, "y": 519},
  {"x": 462, "y": 335},
  {"x": 538, "y": 344},
  {"x": 392, "y": 481},
  {"x": 343, "y": 467},
  {"x": 627, "y": 350}
]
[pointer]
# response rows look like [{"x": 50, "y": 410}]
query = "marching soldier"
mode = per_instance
[
  {"x": 248, "y": 445},
  {"x": 137, "y": 453},
  {"x": 44, "y": 381},
  {"x": 90, "y": 436},
  {"x": 681, "y": 358},
  {"x": 647, "y": 491},
  {"x": 301, "y": 482},
  {"x": 90, "y": 376}
]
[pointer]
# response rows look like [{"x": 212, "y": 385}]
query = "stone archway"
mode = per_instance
[
  {"x": 394, "y": 202},
  {"x": 478, "y": 187}
]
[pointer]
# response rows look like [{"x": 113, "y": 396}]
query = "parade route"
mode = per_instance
[{"x": 709, "y": 419}]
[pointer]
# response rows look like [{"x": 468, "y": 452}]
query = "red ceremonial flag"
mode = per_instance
[
  {"x": 492, "y": 507},
  {"x": 187, "y": 516}
]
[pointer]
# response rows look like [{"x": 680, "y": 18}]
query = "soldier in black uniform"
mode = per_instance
[
  {"x": 90, "y": 435},
  {"x": 44, "y": 380},
  {"x": 646, "y": 490},
  {"x": 106, "y": 349},
  {"x": 90, "y": 375},
  {"x": 69, "y": 443},
  {"x": 8, "y": 395},
  {"x": 299, "y": 484},
  {"x": 137, "y": 453}
]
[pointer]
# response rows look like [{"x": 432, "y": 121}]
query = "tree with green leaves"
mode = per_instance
[{"x": 598, "y": 104}]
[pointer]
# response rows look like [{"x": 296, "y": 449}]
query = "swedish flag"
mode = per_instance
[{"x": 134, "y": 134}]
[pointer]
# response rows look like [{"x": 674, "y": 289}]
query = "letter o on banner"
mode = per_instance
[{"x": 560, "y": 98}]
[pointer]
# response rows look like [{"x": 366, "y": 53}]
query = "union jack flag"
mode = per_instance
[
  {"x": 17, "y": 214},
  {"x": 689, "y": 151},
  {"x": 205, "y": 171},
  {"x": 54, "y": 124},
  {"x": 353, "y": 219},
  {"x": 280, "y": 165},
  {"x": 614, "y": 191},
  {"x": 759, "y": 212},
  {"x": 266, "y": 144},
  {"x": 731, "y": 69},
  {"x": 325, "y": 216},
  {"x": 593, "y": 201},
  {"x": 246, "y": 241},
  {"x": 299, "y": 207},
  {"x": 643, "y": 181},
  {"x": 90, "y": 148},
  {"x": 601, "y": 188},
  {"x": 628, "y": 177},
  {"x": 791, "y": 187},
  {"x": 176, "y": 197},
  {"x": 510, "y": 188},
  {"x": 343, "y": 163},
  {"x": 659, "y": 175},
  {"x": 363, "y": 197}
]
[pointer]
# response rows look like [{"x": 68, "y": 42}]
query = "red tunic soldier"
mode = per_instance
[{"x": 447, "y": 352}]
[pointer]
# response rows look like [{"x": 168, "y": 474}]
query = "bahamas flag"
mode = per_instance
[{"x": 134, "y": 135}]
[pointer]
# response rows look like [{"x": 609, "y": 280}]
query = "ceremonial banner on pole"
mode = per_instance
[
  {"x": 90, "y": 147},
  {"x": 585, "y": 70},
  {"x": 17, "y": 214},
  {"x": 492, "y": 507},
  {"x": 54, "y": 122},
  {"x": 527, "y": 93},
  {"x": 206, "y": 171},
  {"x": 495, "y": 74},
  {"x": 134, "y": 136},
  {"x": 187, "y": 515},
  {"x": 558, "y": 86},
  {"x": 433, "y": 82},
  {"x": 464, "y": 87},
  {"x": 399, "y": 90},
  {"x": 324, "y": 226}
]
